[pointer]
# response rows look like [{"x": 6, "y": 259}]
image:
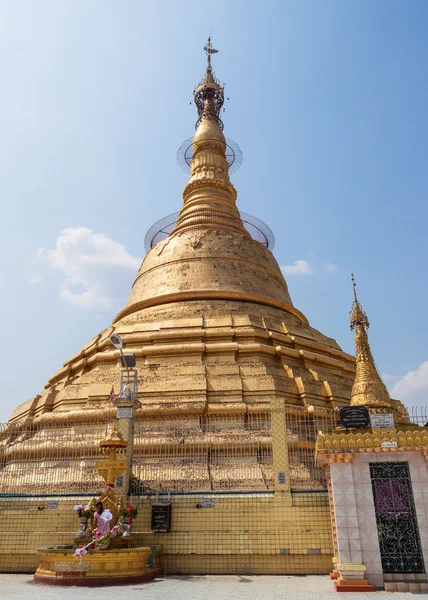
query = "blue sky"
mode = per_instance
[{"x": 328, "y": 101}]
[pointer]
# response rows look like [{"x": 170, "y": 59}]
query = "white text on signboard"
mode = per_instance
[
  {"x": 208, "y": 503},
  {"x": 382, "y": 421},
  {"x": 389, "y": 444}
]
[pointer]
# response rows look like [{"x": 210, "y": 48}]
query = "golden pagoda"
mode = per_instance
[
  {"x": 209, "y": 316},
  {"x": 224, "y": 357},
  {"x": 369, "y": 389}
]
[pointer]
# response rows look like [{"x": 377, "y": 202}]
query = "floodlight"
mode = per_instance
[{"x": 116, "y": 340}]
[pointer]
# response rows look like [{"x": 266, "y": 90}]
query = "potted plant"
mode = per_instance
[
  {"x": 126, "y": 515},
  {"x": 84, "y": 513}
]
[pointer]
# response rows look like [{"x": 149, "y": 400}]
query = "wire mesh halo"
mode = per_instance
[
  {"x": 256, "y": 228},
  {"x": 160, "y": 231},
  {"x": 234, "y": 155}
]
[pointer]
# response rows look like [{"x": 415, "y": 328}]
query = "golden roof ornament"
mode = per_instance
[
  {"x": 209, "y": 50},
  {"x": 209, "y": 198},
  {"x": 113, "y": 439},
  {"x": 368, "y": 389},
  {"x": 209, "y": 93},
  {"x": 110, "y": 468},
  {"x": 358, "y": 316}
]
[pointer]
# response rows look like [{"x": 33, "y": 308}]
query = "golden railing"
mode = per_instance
[{"x": 51, "y": 458}]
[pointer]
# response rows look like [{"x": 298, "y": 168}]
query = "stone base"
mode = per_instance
[
  {"x": 415, "y": 586},
  {"x": 96, "y": 568},
  {"x": 74, "y": 579},
  {"x": 406, "y": 582}
]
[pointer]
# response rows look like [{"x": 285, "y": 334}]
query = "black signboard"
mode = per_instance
[
  {"x": 354, "y": 417},
  {"x": 161, "y": 517}
]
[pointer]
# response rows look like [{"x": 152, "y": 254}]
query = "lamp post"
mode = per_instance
[{"x": 126, "y": 403}]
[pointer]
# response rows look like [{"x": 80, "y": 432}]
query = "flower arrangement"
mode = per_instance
[
  {"x": 101, "y": 543},
  {"x": 129, "y": 512},
  {"x": 83, "y": 512}
]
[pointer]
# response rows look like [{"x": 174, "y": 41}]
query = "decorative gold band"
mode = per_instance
[{"x": 209, "y": 295}]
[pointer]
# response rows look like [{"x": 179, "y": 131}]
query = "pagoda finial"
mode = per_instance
[
  {"x": 209, "y": 50},
  {"x": 354, "y": 285},
  {"x": 368, "y": 389},
  {"x": 358, "y": 316},
  {"x": 209, "y": 93}
]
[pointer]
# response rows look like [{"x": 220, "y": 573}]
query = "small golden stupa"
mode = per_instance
[{"x": 369, "y": 389}]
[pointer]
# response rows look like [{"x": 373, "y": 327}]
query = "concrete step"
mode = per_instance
[
  {"x": 353, "y": 588},
  {"x": 405, "y": 577},
  {"x": 406, "y": 586}
]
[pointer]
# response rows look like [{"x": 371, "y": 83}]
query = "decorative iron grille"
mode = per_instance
[{"x": 398, "y": 531}]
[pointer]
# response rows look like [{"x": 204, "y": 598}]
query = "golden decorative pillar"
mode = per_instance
[
  {"x": 280, "y": 446},
  {"x": 126, "y": 408}
]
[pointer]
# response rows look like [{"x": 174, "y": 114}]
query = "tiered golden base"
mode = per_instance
[{"x": 97, "y": 567}]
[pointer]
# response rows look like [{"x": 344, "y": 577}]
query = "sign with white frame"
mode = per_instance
[{"x": 382, "y": 421}]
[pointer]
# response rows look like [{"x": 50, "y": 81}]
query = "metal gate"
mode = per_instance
[{"x": 397, "y": 526}]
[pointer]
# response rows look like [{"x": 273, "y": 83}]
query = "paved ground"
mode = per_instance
[{"x": 210, "y": 587}]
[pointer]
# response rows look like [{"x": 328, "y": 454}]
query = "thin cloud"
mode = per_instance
[
  {"x": 299, "y": 267},
  {"x": 389, "y": 378},
  {"x": 35, "y": 280},
  {"x": 331, "y": 267},
  {"x": 96, "y": 269},
  {"x": 413, "y": 385}
]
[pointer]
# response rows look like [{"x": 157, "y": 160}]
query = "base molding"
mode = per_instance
[
  {"x": 148, "y": 575},
  {"x": 352, "y": 586}
]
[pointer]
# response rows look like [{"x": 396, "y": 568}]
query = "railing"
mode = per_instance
[
  {"x": 226, "y": 453},
  {"x": 183, "y": 454},
  {"x": 302, "y": 430},
  {"x": 210, "y": 453},
  {"x": 418, "y": 415},
  {"x": 51, "y": 458}
]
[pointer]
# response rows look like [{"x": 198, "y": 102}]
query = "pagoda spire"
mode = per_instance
[
  {"x": 368, "y": 389},
  {"x": 209, "y": 198}
]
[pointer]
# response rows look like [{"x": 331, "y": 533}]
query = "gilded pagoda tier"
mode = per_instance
[{"x": 201, "y": 356}]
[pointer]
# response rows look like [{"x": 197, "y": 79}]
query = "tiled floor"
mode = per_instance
[{"x": 210, "y": 587}]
